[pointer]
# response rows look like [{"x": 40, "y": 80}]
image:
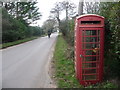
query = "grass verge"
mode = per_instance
[
  {"x": 5, "y": 45},
  {"x": 64, "y": 73},
  {"x": 64, "y": 69}
]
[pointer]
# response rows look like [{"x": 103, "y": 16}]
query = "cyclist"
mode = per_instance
[{"x": 49, "y": 33}]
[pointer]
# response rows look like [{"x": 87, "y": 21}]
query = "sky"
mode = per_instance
[{"x": 45, "y": 6}]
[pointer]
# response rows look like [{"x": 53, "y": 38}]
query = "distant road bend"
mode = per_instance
[{"x": 26, "y": 65}]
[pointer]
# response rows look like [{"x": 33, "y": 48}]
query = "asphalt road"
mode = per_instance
[{"x": 27, "y": 65}]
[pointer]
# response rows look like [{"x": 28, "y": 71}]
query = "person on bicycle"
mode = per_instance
[{"x": 49, "y": 33}]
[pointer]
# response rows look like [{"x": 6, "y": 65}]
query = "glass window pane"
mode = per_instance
[
  {"x": 89, "y": 77},
  {"x": 88, "y": 32},
  {"x": 83, "y": 39},
  {"x": 91, "y": 32},
  {"x": 91, "y": 45},
  {"x": 91, "y": 39},
  {"x": 89, "y": 71},
  {"x": 90, "y": 58},
  {"x": 98, "y": 32},
  {"x": 90, "y": 52},
  {"x": 88, "y": 65}
]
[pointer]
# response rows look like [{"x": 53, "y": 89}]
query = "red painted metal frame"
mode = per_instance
[{"x": 79, "y": 50}]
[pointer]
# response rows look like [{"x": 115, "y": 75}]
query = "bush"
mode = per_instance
[
  {"x": 13, "y": 29},
  {"x": 67, "y": 29},
  {"x": 112, "y": 37},
  {"x": 63, "y": 27}
]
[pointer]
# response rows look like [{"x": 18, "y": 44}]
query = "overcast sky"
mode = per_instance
[{"x": 46, "y": 5}]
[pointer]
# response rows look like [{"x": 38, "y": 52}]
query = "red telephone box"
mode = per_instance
[{"x": 89, "y": 48}]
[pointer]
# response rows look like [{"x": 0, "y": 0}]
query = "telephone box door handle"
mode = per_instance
[{"x": 81, "y": 56}]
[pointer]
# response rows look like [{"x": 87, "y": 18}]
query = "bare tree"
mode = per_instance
[
  {"x": 49, "y": 24},
  {"x": 69, "y": 8},
  {"x": 56, "y": 11},
  {"x": 92, "y": 7},
  {"x": 66, "y": 6}
]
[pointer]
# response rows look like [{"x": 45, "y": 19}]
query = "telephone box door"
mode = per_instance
[{"x": 91, "y": 54}]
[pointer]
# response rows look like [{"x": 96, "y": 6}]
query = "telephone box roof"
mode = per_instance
[{"x": 89, "y": 15}]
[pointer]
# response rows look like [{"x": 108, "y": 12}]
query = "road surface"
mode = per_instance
[{"x": 27, "y": 65}]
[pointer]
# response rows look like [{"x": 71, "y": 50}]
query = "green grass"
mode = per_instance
[
  {"x": 64, "y": 69},
  {"x": 105, "y": 84},
  {"x": 65, "y": 73},
  {"x": 4, "y": 45}
]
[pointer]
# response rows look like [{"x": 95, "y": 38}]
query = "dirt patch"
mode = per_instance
[
  {"x": 51, "y": 71},
  {"x": 116, "y": 81},
  {"x": 52, "y": 74}
]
